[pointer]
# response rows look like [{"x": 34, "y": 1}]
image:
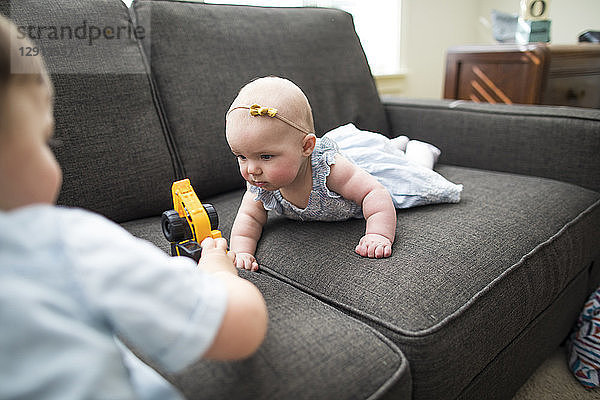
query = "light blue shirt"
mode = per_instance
[{"x": 70, "y": 281}]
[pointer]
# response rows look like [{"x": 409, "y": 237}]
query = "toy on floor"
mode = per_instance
[{"x": 190, "y": 222}]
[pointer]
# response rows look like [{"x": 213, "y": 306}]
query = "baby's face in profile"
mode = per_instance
[
  {"x": 269, "y": 152},
  {"x": 29, "y": 173},
  {"x": 273, "y": 150}
]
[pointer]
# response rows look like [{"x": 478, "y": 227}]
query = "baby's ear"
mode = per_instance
[{"x": 308, "y": 144}]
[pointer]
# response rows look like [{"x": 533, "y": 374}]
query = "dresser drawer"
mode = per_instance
[
  {"x": 536, "y": 73},
  {"x": 577, "y": 91}
]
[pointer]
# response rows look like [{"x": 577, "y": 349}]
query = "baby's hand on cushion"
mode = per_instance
[
  {"x": 246, "y": 261},
  {"x": 373, "y": 245}
]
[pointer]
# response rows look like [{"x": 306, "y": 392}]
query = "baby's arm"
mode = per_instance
[
  {"x": 246, "y": 310},
  {"x": 353, "y": 183},
  {"x": 246, "y": 231}
]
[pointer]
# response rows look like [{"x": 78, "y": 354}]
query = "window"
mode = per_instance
[{"x": 377, "y": 25}]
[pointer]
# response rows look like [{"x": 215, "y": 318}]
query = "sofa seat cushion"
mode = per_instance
[
  {"x": 109, "y": 138},
  {"x": 312, "y": 351},
  {"x": 463, "y": 280},
  {"x": 216, "y": 49}
]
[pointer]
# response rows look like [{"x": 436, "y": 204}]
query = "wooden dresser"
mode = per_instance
[{"x": 535, "y": 73}]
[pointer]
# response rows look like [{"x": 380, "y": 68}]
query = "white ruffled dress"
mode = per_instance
[{"x": 409, "y": 184}]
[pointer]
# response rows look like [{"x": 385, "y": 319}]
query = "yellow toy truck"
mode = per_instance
[{"x": 190, "y": 221}]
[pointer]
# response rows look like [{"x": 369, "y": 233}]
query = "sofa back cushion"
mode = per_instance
[
  {"x": 202, "y": 54},
  {"x": 110, "y": 143}
]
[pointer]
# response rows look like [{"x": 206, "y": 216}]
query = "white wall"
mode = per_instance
[
  {"x": 430, "y": 27},
  {"x": 569, "y": 18}
]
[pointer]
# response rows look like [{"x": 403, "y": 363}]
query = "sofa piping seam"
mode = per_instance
[
  {"x": 402, "y": 365},
  {"x": 401, "y": 368},
  {"x": 509, "y": 270},
  {"x": 177, "y": 163},
  {"x": 455, "y": 314},
  {"x": 525, "y": 329},
  {"x": 238, "y": 5},
  {"x": 494, "y": 112}
]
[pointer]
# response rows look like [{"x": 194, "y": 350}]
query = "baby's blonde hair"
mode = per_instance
[{"x": 289, "y": 101}]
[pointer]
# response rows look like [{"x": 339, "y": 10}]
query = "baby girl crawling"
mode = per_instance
[{"x": 346, "y": 174}]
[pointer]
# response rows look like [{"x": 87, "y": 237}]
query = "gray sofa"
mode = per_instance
[{"x": 475, "y": 295}]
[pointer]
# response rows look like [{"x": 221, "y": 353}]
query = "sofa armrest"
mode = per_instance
[{"x": 561, "y": 143}]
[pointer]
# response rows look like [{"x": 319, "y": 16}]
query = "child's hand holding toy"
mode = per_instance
[{"x": 215, "y": 257}]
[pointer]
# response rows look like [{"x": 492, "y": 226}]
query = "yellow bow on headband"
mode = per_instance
[{"x": 256, "y": 110}]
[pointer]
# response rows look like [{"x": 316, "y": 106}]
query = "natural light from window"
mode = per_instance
[{"x": 377, "y": 25}]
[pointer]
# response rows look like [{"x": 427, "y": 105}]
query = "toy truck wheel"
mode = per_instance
[
  {"x": 173, "y": 226},
  {"x": 212, "y": 216}
]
